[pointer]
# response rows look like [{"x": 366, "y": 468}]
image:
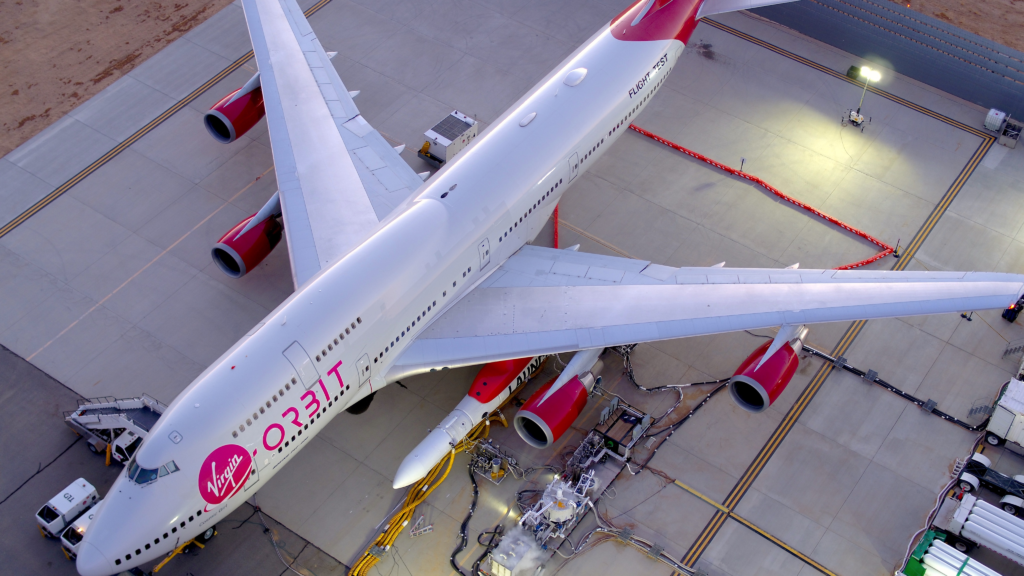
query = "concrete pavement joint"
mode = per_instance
[
  {"x": 753, "y": 471},
  {"x": 110, "y": 155}
]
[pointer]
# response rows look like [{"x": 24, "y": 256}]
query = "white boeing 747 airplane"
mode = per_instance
[{"x": 395, "y": 277}]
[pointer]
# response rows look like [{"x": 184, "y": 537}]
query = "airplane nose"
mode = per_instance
[{"x": 92, "y": 562}]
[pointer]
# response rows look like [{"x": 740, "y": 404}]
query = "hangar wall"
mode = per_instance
[{"x": 918, "y": 46}]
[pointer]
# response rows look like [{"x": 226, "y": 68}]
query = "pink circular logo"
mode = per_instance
[{"x": 224, "y": 473}]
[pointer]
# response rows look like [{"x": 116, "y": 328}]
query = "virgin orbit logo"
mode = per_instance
[{"x": 224, "y": 473}]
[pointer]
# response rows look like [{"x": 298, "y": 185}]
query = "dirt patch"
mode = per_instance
[
  {"x": 998, "y": 20},
  {"x": 57, "y": 54}
]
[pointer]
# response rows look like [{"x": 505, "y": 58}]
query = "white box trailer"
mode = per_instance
[
  {"x": 1006, "y": 425},
  {"x": 71, "y": 538},
  {"x": 66, "y": 507},
  {"x": 447, "y": 138}
]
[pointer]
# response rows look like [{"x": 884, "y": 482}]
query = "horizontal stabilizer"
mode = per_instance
[{"x": 710, "y": 7}]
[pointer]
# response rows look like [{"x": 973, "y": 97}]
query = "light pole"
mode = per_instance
[{"x": 867, "y": 74}]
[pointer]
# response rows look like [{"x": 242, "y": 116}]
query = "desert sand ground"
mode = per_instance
[
  {"x": 55, "y": 54},
  {"x": 999, "y": 20}
]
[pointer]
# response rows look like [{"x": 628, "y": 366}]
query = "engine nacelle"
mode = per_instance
[
  {"x": 229, "y": 119},
  {"x": 237, "y": 256},
  {"x": 754, "y": 388},
  {"x": 543, "y": 419}
]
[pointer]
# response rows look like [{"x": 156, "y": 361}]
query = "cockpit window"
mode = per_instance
[
  {"x": 141, "y": 475},
  {"x": 145, "y": 476}
]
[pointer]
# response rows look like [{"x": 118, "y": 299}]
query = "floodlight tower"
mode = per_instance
[{"x": 867, "y": 74}]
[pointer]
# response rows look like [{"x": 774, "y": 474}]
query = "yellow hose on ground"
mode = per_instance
[
  {"x": 419, "y": 491},
  {"x": 417, "y": 494}
]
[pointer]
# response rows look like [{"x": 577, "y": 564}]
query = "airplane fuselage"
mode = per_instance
[{"x": 334, "y": 341}]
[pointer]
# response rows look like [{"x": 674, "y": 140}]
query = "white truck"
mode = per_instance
[
  {"x": 969, "y": 521},
  {"x": 1006, "y": 426},
  {"x": 71, "y": 538},
  {"x": 122, "y": 424},
  {"x": 66, "y": 507}
]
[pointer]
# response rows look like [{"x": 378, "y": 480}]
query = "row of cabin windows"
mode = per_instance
[
  {"x": 588, "y": 153},
  {"x": 536, "y": 204},
  {"x": 262, "y": 410},
  {"x": 312, "y": 420},
  {"x": 174, "y": 530},
  {"x": 420, "y": 318},
  {"x": 641, "y": 103},
  {"x": 341, "y": 336}
]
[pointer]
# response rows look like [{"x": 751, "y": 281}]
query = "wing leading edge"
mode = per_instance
[
  {"x": 544, "y": 301},
  {"x": 337, "y": 176}
]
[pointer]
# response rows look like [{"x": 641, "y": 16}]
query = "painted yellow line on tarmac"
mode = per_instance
[
  {"x": 753, "y": 471},
  {"x": 842, "y": 76},
  {"x": 60, "y": 190},
  {"x": 726, "y": 512}
]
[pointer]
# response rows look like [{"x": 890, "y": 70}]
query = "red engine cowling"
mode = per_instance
[
  {"x": 755, "y": 389},
  {"x": 541, "y": 422},
  {"x": 237, "y": 256},
  {"x": 228, "y": 120}
]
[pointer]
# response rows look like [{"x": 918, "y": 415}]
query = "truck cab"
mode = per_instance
[
  {"x": 71, "y": 538},
  {"x": 125, "y": 445}
]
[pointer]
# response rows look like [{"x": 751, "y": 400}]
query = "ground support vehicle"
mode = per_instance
[{"x": 66, "y": 507}]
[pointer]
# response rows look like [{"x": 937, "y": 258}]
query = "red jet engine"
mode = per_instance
[
  {"x": 237, "y": 256},
  {"x": 755, "y": 388},
  {"x": 543, "y": 419},
  {"x": 235, "y": 114}
]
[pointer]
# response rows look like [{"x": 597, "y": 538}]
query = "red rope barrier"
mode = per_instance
[
  {"x": 556, "y": 226},
  {"x": 886, "y": 249}
]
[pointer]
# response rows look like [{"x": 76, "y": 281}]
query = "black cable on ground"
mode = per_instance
[
  {"x": 871, "y": 376},
  {"x": 464, "y": 530},
  {"x": 490, "y": 545}
]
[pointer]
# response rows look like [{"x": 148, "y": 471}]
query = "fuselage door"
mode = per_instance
[
  {"x": 304, "y": 367},
  {"x": 574, "y": 166},
  {"x": 363, "y": 366},
  {"x": 485, "y": 253}
]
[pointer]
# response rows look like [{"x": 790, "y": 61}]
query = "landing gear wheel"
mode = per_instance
[
  {"x": 993, "y": 440},
  {"x": 206, "y": 536}
]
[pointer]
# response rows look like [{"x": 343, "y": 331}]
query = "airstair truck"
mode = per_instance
[{"x": 121, "y": 424}]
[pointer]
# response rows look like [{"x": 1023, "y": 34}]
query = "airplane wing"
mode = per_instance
[
  {"x": 337, "y": 176},
  {"x": 543, "y": 301}
]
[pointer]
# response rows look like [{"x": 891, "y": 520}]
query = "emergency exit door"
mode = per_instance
[
  {"x": 574, "y": 166},
  {"x": 363, "y": 366},
  {"x": 304, "y": 367},
  {"x": 485, "y": 253}
]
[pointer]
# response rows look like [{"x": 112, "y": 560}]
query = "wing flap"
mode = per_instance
[
  {"x": 527, "y": 306},
  {"x": 331, "y": 199}
]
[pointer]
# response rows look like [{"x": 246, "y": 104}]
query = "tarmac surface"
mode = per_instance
[{"x": 109, "y": 290}]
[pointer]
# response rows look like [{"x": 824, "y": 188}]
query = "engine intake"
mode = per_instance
[
  {"x": 233, "y": 117},
  {"x": 238, "y": 256},
  {"x": 546, "y": 416},
  {"x": 754, "y": 388}
]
